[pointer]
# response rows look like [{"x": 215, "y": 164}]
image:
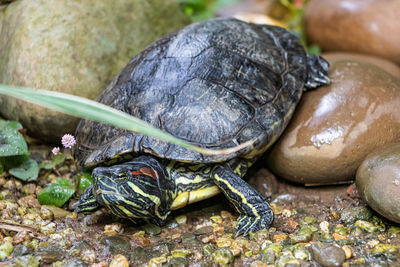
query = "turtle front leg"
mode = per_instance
[
  {"x": 255, "y": 212},
  {"x": 87, "y": 202}
]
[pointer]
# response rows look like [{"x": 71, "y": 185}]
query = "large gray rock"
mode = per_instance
[{"x": 74, "y": 47}]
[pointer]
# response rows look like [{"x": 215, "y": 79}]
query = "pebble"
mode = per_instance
[
  {"x": 48, "y": 228},
  {"x": 368, "y": 27},
  {"x": 204, "y": 230},
  {"x": 328, "y": 256},
  {"x": 335, "y": 127},
  {"x": 350, "y": 215},
  {"x": 57, "y": 212},
  {"x": 119, "y": 261},
  {"x": 378, "y": 181},
  {"x": 222, "y": 256},
  {"x": 182, "y": 219},
  {"x": 366, "y": 226},
  {"x": 27, "y": 261},
  {"x": 324, "y": 226},
  {"x": 88, "y": 255},
  {"x": 113, "y": 229},
  {"x": 5, "y": 249},
  {"x": 151, "y": 229},
  {"x": 116, "y": 244},
  {"x": 347, "y": 251},
  {"x": 50, "y": 254},
  {"x": 30, "y": 201},
  {"x": 75, "y": 263}
]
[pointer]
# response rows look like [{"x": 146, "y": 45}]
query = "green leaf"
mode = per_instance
[
  {"x": 89, "y": 109},
  {"x": 56, "y": 193},
  {"x": 12, "y": 143},
  {"x": 25, "y": 168},
  {"x": 85, "y": 182}
]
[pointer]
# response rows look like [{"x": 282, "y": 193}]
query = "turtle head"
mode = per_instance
[
  {"x": 317, "y": 72},
  {"x": 138, "y": 189}
]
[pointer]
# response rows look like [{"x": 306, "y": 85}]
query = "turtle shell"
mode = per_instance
[{"x": 215, "y": 84}]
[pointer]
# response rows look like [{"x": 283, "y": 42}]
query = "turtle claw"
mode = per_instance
[{"x": 248, "y": 224}]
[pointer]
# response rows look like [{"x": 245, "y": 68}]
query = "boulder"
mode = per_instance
[
  {"x": 378, "y": 181},
  {"x": 336, "y": 126},
  {"x": 363, "y": 26},
  {"x": 74, "y": 47}
]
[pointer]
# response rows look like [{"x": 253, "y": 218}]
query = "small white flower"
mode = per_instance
[
  {"x": 55, "y": 150},
  {"x": 68, "y": 140}
]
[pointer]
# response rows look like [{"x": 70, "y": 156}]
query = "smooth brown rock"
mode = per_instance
[
  {"x": 336, "y": 126},
  {"x": 378, "y": 181},
  {"x": 384, "y": 64},
  {"x": 364, "y": 26}
]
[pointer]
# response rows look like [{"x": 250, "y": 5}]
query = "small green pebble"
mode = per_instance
[
  {"x": 309, "y": 220},
  {"x": 366, "y": 226},
  {"x": 303, "y": 235},
  {"x": 275, "y": 247},
  {"x": 5, "y": 249},
  {"x": 342, "y": 230},
  {"x": 268, "y": 257},
  {"x": 384, "y": 248},
  {"x": 216, "y": 219},
  {"x": 301, "y": 254},
  {"x": 27, "y": 261},
  {"x": 359, "y": 261},
  {"x": 222, "y": 256},
  {"x": 393, "y": 231},
  {"x": 208, "y": 249},
  {"x": 180, "y": 253},
  {"x": 182, "y": 219},
  {"x": 325, "y": 237}
]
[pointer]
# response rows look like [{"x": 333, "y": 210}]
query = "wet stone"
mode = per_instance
[
  {"x": 81, "y": 245},
  {"x": 75, "y": 263},
  {"x": 328, "y": 256},
  {"x": 20, "y": 250},
  {"x": 350, "y": 215},
  {"x": 335, "y": 127},
  {"x": 178, "y": 262},
  {"x": 368, "y": 27},
  {"x": 378, "y": 181},
  {"x": 27, "y": 261},
  {"x": 117, "y": 244},
  {"x": 51, "y": 253},
  {"x": 151, "y": 229},
  {"x": 204, "y": 230},
  {"x": 142, "y": 255},
  {"x": 190, "y": 240},
  {"x": 222, "y": 256}
]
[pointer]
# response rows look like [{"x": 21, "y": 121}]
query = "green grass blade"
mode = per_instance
[{"x": 89, "y": 109}]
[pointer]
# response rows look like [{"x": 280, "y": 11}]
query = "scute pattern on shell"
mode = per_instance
[{"x": 215, "y": 84}]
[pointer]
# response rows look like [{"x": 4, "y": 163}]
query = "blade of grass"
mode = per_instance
[{"x": 89, "y": 109}]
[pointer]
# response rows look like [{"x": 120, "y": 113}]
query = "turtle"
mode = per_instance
[{"x": 215, "y": 84}]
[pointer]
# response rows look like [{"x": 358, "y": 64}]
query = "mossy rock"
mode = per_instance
[{"x": 74, "y": 47}]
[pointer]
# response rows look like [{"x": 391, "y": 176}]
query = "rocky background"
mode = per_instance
[{"x": 333, "y": 177}]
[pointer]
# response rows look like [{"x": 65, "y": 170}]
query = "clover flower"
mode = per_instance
[
  {"x": 68, "y": 140},
  {"x": 55, "y": 150}
]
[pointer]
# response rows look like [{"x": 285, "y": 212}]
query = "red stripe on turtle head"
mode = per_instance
[{"x": 147, "y": 171}]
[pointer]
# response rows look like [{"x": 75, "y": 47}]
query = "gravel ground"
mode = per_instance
[{"x": 322, "y": 226}]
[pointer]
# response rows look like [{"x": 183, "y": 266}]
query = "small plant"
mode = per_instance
[
  {"x": 62, "y": 190},
  {"x": 14, "y": 154}
]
